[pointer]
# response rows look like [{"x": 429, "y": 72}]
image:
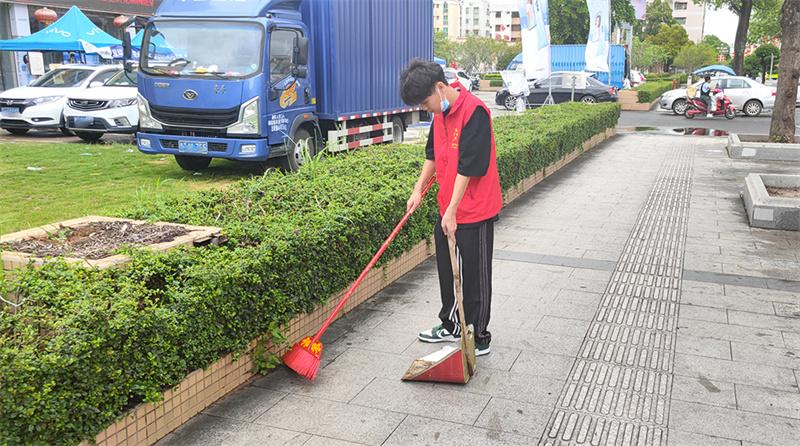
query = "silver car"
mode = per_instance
[{"x": 747, "y": 95}]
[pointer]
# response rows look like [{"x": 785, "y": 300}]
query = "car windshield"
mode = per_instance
[
  {"x": 229, "y": 49},
  {"x": 62, "y": 78},
  {"x": 122, "y": 79}
]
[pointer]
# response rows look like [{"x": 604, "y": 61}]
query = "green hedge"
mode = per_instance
[
  {"x": 680, "y": 77},
  {"x": 88, "y": 345},
  {"x": 491, "y": 76},
  {"x": 651, "y": 90},
  {"x": 496, "y": 83}
]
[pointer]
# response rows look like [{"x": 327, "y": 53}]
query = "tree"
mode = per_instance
[
  {"x": 782, "y": 127},
  {"x": 569, "y": 19},
  {"x": 647, "y": 56},
  {"x": 693, "y": 56},
  {"x": 764, "y": 56},
  {"x": 742, "y": 8},
  {"x": 671, "y": 38},
  {"x": 506, "y": 53},
  {"x": 476, "y": 53},
  {"x": 766, "y": 21},
  {"x": 657, "y": 13},
  {"x": 443, "y": 47},
  {"x": 717, "y": 43}
]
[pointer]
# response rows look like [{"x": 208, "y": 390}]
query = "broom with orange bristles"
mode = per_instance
[{"x": 304, "y": 357}]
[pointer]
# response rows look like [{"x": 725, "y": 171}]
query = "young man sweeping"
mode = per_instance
[{"x": 461, "y": 152}]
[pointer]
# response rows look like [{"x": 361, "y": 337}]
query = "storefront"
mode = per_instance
[{"x": 17, "y": 19}]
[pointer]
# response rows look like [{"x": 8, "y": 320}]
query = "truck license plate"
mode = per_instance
[
  {"x": 193, "y": 147},
  {"x": 10, "y": 110}
]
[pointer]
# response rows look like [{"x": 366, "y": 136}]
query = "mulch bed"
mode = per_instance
[
  {"x": 785, "y": 192},
  {"x": 96, "y": 240}
]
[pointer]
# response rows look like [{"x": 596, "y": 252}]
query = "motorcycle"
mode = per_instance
[{"x": 697, "y": 106}]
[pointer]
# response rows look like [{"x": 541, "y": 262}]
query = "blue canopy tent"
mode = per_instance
[
  {"x": 65, "y": 34},
  {"x": 714, "y": 69},
  {"x": 439, "y": 61},
  {"x": 162, "y": 49}
]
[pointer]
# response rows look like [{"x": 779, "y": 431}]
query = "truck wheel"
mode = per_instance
[
  {"x": 17, "y": 132},
  {"x": 298, "y": 149},
  {"x": 192, "y": 163},
  {"x": 89, "y": 136},
  {"x": 397, "y": 130}
]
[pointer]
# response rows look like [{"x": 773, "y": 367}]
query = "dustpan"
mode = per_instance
[{"x": 449, "y": 364}]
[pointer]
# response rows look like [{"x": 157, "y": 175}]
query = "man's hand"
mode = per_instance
[
  {"x": 414, "y": 201},
  {"x": 449, "y": 224}
]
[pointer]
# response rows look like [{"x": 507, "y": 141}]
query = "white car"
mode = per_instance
[
  {"x": 452, "y": 75},
  {"x": 41, "y": 104},
  {"x": 111, "y": 108},
  {"x": 747, "y": 95}
]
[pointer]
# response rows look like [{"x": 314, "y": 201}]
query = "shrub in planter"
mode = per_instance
[{"x": 87, "y": 345}]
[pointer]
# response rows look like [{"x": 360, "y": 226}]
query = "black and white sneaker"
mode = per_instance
[
  {"x": 437, "y": 334},
  {"x": 481, "y": 349}
]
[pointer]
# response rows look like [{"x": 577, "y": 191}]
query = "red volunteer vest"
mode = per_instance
[{"x": 483, "y": 198}]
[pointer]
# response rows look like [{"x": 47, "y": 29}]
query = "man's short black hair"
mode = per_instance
[
  {"x": 418, "y": 80},
  {"x": 707, "y": 77}
]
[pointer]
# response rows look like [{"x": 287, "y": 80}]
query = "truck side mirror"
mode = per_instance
[
  {"x": 127, "y": 52},
  {"x": 300, "y": 71},
  {"x": 301, "y": 51}
]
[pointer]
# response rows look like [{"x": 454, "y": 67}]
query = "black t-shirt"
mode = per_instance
[{"x": 474, "y": 145}]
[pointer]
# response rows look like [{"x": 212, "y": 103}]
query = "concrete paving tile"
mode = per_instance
[
  {"x": 425, "y": 303},
  {"x": 721, "y": 422},
  {"x": 316, "y": 440},
  {"x": 713, "y": 348},
  {"x": 337, "y": 384},
  {"x": 385, "y": 340},
  {"x": 759, "y": 354},
  {"x": 534, "y": 389},
  {"x": 580, "y": 284},
  {"x": 332, "y": 419},
  {"x": 543, "y": 342},
  {"x": 501, "y": 358},
  {"x": 792, "y": 340},
  {"x": 368, "y": 363},
  {"x": 692, "y": 286},
  {"x": 763, "y": 294},
  {"x": 730, "y": 332},
  {"x": 514, "y": 417},
  {"x": 791, "y": 310},
  {"x": 591, "y": 274},
  {"x": 703, "y": 313},
  {"x": 741, "y": 303},
  {"x": 423, "y": 399},
  {"x": 734, "y": 372},
  {"x": 700, "y": 389},
  {"x": 564, "y": 326},
  {"x": 680, "y": 438},
  {"x": 598, "y": 254},
  {"x": 207, "y": 430},
  {"x": 543, "y": 364},
  {"x": 764, "y": 321},
  {"x": 418, "y": 431},
  {"x": 768, "y": 401},
  {"x": 246, "y": 404},
  {"x": 572, "y": 308}
]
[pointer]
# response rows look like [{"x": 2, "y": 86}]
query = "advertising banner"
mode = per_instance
[
  {"x": 535, "y": 29},
  {"x": 597, "y": 43}
]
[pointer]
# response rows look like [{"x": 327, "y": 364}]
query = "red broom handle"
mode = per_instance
[{"x": 370, "y": 265}]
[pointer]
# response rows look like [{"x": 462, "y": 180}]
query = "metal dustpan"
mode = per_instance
[{"x": 449, "y": 364}]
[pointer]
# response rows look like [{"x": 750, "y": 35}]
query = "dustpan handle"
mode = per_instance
[
  {"x": 451, "y": 241},
  {"x": 370, "y": 264}
]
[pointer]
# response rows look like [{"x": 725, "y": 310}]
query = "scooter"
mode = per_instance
[{"x": 697, "y": 106}]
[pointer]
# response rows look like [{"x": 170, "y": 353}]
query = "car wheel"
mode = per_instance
[
  {"x": 588, "y": 99},
  {"x": 510, "y": 102},
  {"x": 679, "y": 106},
  {"x": 192, "y": 163},
  {"x": 752, "y": 108},
  {"x": 89, "y": 136},
  {"x": 300, "y": 147},
  {"x": 17, "y": 131},
  {"x": 397, "y": 130}
]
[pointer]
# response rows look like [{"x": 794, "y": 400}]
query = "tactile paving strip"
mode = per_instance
[{"x": 619, "y": 388}]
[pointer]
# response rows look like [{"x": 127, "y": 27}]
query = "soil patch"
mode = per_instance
[
  {"x": 785, "y": 192},
  {"x": 96, "y": 240}
]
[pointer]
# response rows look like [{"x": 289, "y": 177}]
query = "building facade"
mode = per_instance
[
  {"x": 504, "y": 20},
  {"x": 691, "y": 16},
  {"x": 447, "y": 18},
  {"x": 475, "y": 18}
]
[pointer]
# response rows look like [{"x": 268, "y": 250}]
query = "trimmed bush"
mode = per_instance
[
  {"x": 651, "y": 90},
  {"x": 88, "y": 345},
  {"x": 491, "y": 76},
  {"x": 496, "y": 83}
]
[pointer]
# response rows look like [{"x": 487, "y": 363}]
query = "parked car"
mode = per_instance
[
  {"x": 452, "y": 75},
  {"x": 588, "y": 89},
  {"x": 111, "y": 108},
  {"x": 747, "y": 95},
  {"x": 41, "y": 104}
]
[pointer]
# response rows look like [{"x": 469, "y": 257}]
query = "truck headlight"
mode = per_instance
[
  {"x": 146, "y": 121},
  {"x": 249, "y": 121},
  {"x": 121, "y": 103}
]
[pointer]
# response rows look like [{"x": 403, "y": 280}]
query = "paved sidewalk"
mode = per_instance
[{"x": 632, "y": 304}]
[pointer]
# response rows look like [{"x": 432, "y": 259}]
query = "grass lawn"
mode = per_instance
[{"x": 82, "y": 179}]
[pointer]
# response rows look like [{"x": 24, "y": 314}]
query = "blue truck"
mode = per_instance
[{"x": 276, "y": 80}]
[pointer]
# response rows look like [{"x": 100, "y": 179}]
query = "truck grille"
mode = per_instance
[
  {"x": 193, "y": 117},
  {"x": 87, "y": 104}
]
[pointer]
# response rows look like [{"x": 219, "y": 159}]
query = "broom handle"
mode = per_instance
[
  {"x": 370, "y": 265},
  {"x": 451, "y": 241}
]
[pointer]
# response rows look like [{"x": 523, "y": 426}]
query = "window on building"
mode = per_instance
[
  {"x": 476, "y": 10},
  {"x": 475, "y": 22},
  {"x": 515, "y": 28},
  {"x": 680, "y": 20},
  {"x": 681, "y": 5}
]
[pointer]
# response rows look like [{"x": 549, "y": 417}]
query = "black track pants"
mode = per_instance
[{"x": 474, "y": 248}]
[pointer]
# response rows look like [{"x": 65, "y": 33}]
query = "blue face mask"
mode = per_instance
[{"x": 444, "y": 104}]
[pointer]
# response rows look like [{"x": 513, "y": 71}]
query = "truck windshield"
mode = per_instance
[{"x": 227, "y": 49}]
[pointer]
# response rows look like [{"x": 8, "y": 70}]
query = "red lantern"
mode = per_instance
[
  {"x": 45, "y": 15},
  {"x": 120, "y": 20}
]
